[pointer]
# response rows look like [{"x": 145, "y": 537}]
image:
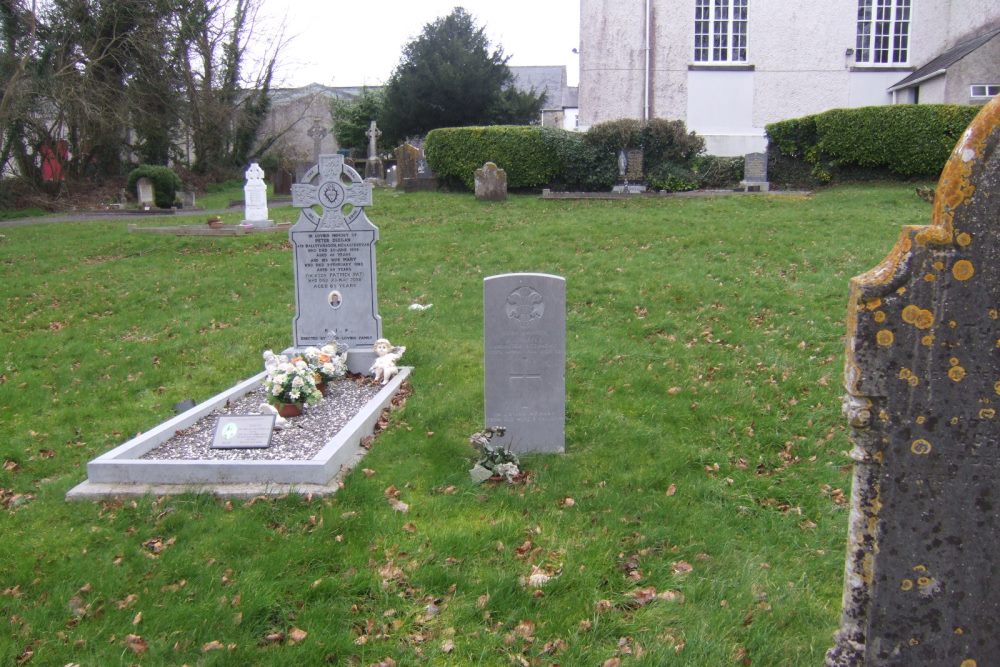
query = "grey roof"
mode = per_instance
[
  {"x": 548, "y": 79},
  {"x": 284, "y": 95},
  {"x": 941, "y": 63}
]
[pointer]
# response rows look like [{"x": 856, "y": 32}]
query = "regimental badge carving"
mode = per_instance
[{"x": 525, "y": 305}]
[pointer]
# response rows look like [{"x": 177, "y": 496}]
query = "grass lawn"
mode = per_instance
[{"x": 706, "y": 454}]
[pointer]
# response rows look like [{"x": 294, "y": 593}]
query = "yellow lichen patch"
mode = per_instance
[
  {"x": 884, "y": 337},
  {"x": 929, "y": 277},
  {"x": 968, "y": 663},
  {"x": 910, "y": 313},
  {"x": 953, "y": 361},
  {"x": 923, "y": 582},
  {"x": 901, "y": 290},
  {"x": 939, "y": 265},
  {"x": 879, "y": 316},
  {"x": 959, "y": 631},
  {"x": 993, "y": 313},
  {"x": 963, "y": 269},
  {"x": 921, "y": 419},
  {"x": 906, "y": 585},
  {"x": 873, "y": 304},
  {"x": 987, "y": 413},
  {"x": 956, "y": 373},
  {"x": 953, "y": 421},
  {"x": 963, "y": 239},
  {"x": 953, "y": 324},
  {"x": 921, "y": 447},
  {"x": 925, "y": 320},
  {"x": 919, "y": 568},
  {"x": 996, "y": 387},
  {"x": 905, "y": 373},
  {"x": 883, "y": 416},
  {"x": 928, "y": 340}
]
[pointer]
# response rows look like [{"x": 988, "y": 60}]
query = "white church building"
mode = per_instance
[{"x": 730, "y": 67}]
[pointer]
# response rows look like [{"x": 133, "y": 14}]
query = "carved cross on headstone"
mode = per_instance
[
  {"x": 922, "y": 376},
  {"x": 339, "y": 194},
  {"x": 316, "y": 133},
  {"x": 373, "y": 134}
]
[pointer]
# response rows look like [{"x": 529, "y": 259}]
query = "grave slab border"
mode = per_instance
[{"x": 120, "y": 471}]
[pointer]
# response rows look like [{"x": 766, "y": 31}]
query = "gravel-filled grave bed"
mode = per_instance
[{"x": 300, "y": 440}]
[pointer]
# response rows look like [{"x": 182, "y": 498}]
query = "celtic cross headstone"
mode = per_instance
[
  {"x": 922, "y": 374},
  {"x": 524, "y": 316},
  {"x": 334, "y": 246},
  {"x": 255, "y": 198}
]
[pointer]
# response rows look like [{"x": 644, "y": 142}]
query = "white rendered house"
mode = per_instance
[{"x": 730, "y": 67}]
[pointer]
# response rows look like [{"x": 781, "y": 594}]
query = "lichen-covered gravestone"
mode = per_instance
[
  {"x": 923, "y": 381},
  {"x": 524, "y": 318},
  {"x": 335, "y": 277},
  {"x": 491, "y": 183}
]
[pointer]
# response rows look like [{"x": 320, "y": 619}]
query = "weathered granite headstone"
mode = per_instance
[
  {"x": 282, "y": 181},
  {"x": 144, "y": 186},
  {"x": 406, "y": 161},
  {"x": 316, "y": 132},
  {"x": 424, "y": 181},
  {"x": 335, "y": 277},
  {"x": 491, "y": 183},
  {"x": 755, "y": 173},
  {"x": 524, "y": 320},
  {"x": 187, "y": 198},
  {"x": 373, "y": 166},
  {"x": 922, "y": 584},
  {"x": 634, "y": 170},
  {"x": 255, "y": 198}
]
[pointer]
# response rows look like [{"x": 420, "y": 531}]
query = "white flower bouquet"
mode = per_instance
[
  {"x": 326, "y": 362},
  {"x": 289, "y": 380}
]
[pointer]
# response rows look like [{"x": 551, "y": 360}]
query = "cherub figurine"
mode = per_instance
[{"x": 386, "y": 357}]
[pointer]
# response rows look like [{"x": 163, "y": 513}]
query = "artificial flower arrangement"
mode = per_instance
[
  {"x": 326, "y": 362},
  {"x": 289, "y": 380}
]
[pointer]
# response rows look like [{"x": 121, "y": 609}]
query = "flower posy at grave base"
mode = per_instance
[
  {"x": 289, "y": 380},
  {"x": 496, "y": 460},
  {"x": 326, "y": 362}
]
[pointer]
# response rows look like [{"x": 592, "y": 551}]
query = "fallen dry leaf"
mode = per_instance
[
  {"x": 409, "y": 527},
  {"x": 447, "y": 646},
  {"x": 612, "y": 662},
  {"x": 136, "y": 644},
  {"x": 274, "y": 637},
  {"x": 673, "y": 391},
  {"x": 391, "y": 491},
  {"x": 482, "y": 600},
  {"x": 295, "y": 635},
  {"x": 681, "y": 567},
  {"x": 137, "y": 619},
  {"x": 398, "y": 505},
  {"x": 671, "y": 490},
  {"x": 368, "y": 472},
  {"x": 525, "y": 630},
  {"x": 214, "y": 645}
]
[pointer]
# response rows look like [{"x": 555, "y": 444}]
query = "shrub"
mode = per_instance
[
  {"x": 905, "y": 140},
  {"x": 714, "y": 171},
  {"x": 672, "y": 178},
  {"x": 166, "y": 183},
  {"x": 582, "y": 166},
  {"x": 455, "y": 153},
  {"x": 662, "y": 141}
]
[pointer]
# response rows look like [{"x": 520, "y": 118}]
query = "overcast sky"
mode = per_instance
[{"x": 340, "y": 43}]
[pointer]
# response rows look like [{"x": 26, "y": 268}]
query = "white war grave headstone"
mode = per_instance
[
  {"x": 335, "y": 277},
  {"x": 255, "y": 198},
  {"x": 524, "y": 320},
  {"x": 144, "y": 186}
]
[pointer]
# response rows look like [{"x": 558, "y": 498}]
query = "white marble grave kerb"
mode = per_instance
[
  {"x": 524, "y": 319},
  {"x": 334, "y": 245}
]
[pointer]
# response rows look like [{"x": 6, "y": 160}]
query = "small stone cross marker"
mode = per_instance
[
  {"x": 316, "y": 133},
  {"x": 373, "y": 134},
  {"x": 337, "y": 188}
]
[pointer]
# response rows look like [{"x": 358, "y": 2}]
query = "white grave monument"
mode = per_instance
[{"x": 255, "y": 198}]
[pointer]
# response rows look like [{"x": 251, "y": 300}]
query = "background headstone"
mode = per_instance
[
  {"x": 187, "y": 198},
  {"x": 922, "y": 583},
  {"x": 755, "y": 172},
  {"x": 255, "y": 198},
  {"x": 406, "y": 161},
  {"x": 524, "y": 326},
  {"x": 491, "y": 183},
  {"x": 282, "y": 181},
  {"x": 144, "y": 187},
  {"x": 373, "y": 166},
  {"x": 424, "y": 181},
  {"x": 335, "y": 275},
  {"x": 634, "y": 169}
]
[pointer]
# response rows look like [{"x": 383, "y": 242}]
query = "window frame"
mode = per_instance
[
  {"x": 721, "y": 33},
  {"x": 986, "y": 91},
  {"x": 882, "y": 35}
]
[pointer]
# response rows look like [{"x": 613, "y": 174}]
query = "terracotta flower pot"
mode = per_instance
[
  {"x": 289, "y": 409},
  {"x": 323, "y": 389}
]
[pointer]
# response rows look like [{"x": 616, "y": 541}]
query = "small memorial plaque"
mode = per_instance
[{"x": 253, "y": 432}]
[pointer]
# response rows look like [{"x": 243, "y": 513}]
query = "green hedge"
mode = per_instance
[
  {"x": 906, "y": 140},
  {"x": 166, "y": 183},
  {"x": 454, "y": 153}
]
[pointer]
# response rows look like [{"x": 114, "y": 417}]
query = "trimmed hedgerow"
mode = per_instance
[
  {"x": 454, "y": 153},
  {"x": 662, "y": 141},
  {"x": 582, "y": 166},
  {"x": 905, "y": 140},
  {"x": 166, "y": 183}
]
